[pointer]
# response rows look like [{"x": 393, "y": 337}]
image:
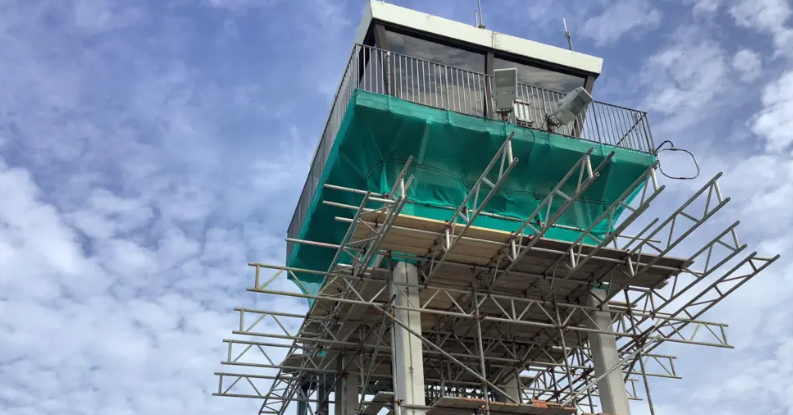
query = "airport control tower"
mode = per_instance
[{"x": 477, "y": 234}]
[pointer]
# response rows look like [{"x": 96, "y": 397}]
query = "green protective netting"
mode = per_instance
[{"x": 450, "y": 150}]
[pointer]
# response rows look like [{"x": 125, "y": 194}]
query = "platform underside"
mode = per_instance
[{"x": 413, "y": 237}]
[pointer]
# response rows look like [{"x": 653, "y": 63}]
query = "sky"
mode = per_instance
[{"x": 150, "y": 149}]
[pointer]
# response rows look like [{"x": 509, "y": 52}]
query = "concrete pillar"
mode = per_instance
[
  {"x": 512, "y": 387},
  {"x": 346, "y": 391},
  {"x": 408, "y": 368},
  {"x": 613, "y": 395},
  {"x": 302, "y": 404}
]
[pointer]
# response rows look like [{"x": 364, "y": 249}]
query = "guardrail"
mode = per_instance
[{"x": 442, "y": 86}]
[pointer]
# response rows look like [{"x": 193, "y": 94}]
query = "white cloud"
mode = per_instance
[
  {"x": 704, "y": 7},
  {"x": 621, "y": 18},
  {"x": 748, "y": 63},
  {"x": 239, "y": 5},
  {"x": 119, "y": 263},
  {"x": 769, "y": 15},
  {"x": 685, "y": 77},
  {"x": 774, "y": 123},
  {"x": 101, "y": 15},
  {"x": 99, "y": 331},
  {"x": 766, "y": 16}
]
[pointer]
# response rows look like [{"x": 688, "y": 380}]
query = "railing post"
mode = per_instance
[
  {"x": 597, "y": 125},
  {"x": 648, "y": 137},
  {"x": 390, "y": 75},
  {"x": 446, "y": 84}
]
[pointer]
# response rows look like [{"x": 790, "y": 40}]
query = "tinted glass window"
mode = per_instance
[
  {"x": 435, "y": 52},
  {"x": 555, "y": 81},
  {"x": 441, "y": 76}
]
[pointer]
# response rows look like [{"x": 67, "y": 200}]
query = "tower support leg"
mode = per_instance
[
  {"x": 408, "y": 367},
  {"x": 611, "y": 388},
  {"x": 512, "y": 388},
  {"x": 302, "y": 404},
  {"x": 346, "y": 392}
]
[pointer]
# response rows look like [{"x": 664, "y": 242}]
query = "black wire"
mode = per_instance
[{"x": 672, "y": 147}]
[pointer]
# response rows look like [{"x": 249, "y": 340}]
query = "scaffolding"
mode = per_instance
[{"x": 429, "y": 317}]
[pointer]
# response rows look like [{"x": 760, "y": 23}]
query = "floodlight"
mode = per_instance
[
  {"x": 506, "y": 88},
  {"x": 571, "y": 106}
]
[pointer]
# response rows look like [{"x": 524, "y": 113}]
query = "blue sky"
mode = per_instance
[{"x": 149, "y": 149}]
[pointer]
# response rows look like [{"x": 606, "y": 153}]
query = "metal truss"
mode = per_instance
[
  {"x": 576, "y": 258},
  {"x": 544, "y": 217},
  {"x": 719, "y": 251},
  {"x": 467, "y": 215},
  {"x": 485, "y": 334},
  {"x": 674, "y": 230},
  {"x": 360, "y": 253}
]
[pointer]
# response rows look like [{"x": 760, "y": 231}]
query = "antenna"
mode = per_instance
[
  {"x": 567, "y": 34},
  {"x": 481, "y": 20}
]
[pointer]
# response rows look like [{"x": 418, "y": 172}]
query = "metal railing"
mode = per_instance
[{"x": 467, "y": 92}]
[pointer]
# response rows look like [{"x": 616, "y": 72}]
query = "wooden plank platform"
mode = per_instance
[{"x": 416, "y": 236}]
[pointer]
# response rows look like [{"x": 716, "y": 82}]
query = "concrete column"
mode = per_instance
[
  {"x": 302, "y": 404},
  {"x": 408, "y": 368},
  {"x": 512, "y": 387},
  {"x": 346, "y": 392},
  {"x": 613, "y": 395}
]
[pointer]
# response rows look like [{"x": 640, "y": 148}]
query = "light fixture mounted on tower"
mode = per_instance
[
  {"x": 505, "y": 90},
  {"x": 570, "y": 107}
]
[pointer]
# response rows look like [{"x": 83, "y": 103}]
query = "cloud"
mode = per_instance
[
  {"x": 766, "y": 16},
  {"x": 127, "y": 325},
  {"x": 134, "y": 177},
  {"x": 748, "y": 63},
  {"x": 769, "y": 15},
  {"x": 240, "y": 5},
  {"x": 774, "y": 122},
  {"x": 704, "y": 7},
  {"x": 102, "y": 15},
  {"x": 620, "y": 18},
  {"x": 684, "y": 77}
]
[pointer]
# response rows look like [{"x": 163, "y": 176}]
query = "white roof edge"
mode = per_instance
[
  {"x": 363, "y": 27},
  {"x": 482, "y": 37}
]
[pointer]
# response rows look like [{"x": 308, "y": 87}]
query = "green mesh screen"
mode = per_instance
[{"x": 450, "y": 151}]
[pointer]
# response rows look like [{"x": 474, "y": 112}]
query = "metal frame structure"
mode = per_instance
[{"x": 505, "y": 318}]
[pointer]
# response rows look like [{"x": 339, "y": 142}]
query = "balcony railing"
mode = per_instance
[{"x": 442, "y": 86}]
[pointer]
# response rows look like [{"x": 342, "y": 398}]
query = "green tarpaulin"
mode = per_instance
[{"x": 450, "y": 150}]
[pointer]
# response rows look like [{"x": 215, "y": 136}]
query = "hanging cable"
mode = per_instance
[{"x": 659, "y": 150}]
